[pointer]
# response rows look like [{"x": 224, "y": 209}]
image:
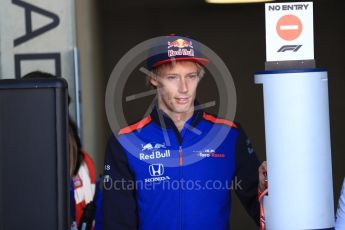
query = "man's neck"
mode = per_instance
[{"x": 179, "y": 119}]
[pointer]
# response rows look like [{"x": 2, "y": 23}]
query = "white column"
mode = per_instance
[{"x": 298, "y": 150}]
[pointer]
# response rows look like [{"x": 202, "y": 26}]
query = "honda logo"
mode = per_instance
[{"x": 156, "y": 169}]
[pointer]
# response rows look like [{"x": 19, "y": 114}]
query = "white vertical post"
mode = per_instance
[{"x": 298, "y": 149}]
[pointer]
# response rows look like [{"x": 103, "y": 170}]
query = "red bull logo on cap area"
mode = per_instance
[{"x": 182, "y": 45}]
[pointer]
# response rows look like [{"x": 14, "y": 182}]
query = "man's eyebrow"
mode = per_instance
[
  {"x": 170, "y": 74},
  {"x": 177, "y": 74}
]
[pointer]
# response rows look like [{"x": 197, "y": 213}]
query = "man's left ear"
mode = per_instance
[{"x": 153, "y": 80}]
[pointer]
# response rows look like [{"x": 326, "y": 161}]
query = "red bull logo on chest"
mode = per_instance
[{"x": 155, "y": 155}]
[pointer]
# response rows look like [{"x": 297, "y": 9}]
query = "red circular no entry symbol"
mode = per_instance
[{"x": 289, "y": 27}]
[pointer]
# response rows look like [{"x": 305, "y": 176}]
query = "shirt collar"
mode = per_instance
[{"x": 164, "y": 121}]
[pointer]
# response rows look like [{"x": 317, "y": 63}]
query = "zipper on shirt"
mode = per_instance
[{"x": 180, "y": 157}]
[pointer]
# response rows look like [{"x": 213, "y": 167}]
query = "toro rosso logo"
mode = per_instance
[{"x": 209, "y": 153}]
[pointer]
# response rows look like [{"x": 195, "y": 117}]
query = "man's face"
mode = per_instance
[{"x": 176, "y": 86}]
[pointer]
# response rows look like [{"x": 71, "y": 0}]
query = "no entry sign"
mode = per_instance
[
  {"x": 289, "y": 27},
  {"x": 289, "y": 31}
]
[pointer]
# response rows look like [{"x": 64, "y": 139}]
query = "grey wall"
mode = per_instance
[
  {"x": 237, "y": 34},
  {"x": 92, "y": 82}
]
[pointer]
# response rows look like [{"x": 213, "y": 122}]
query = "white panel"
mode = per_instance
[
  {"x": 289, "y": 40},
  {"x": 298, "y": 151},
  {"x": 43, "y": 50}
]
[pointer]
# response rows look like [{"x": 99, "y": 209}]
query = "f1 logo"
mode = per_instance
[
  {"x": 156, "y": 169},
  {"x": 293, "y": 48}
]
